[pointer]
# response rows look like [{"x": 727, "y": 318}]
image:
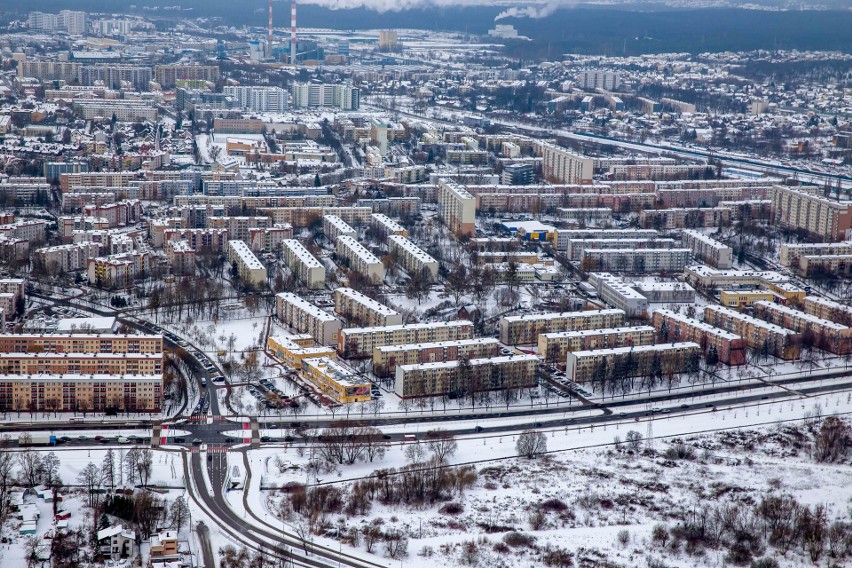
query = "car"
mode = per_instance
[
  {"x": 122, "y": 440},
  {"x": 99, "y": 438},
  {"x": 196, "y": 441},
  {"x": 291, "y": 438},
  {"x": 684, "y": 406},
  {"x": 666, "y": 410},
  {"x": 266, "y": 439},
  {"x": 622, "y": 414},
  {"x": 479, "y": 429},
  {"x": 210, "y": 457}
]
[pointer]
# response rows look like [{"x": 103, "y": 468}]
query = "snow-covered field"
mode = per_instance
[{"x": 582, "y": 496}]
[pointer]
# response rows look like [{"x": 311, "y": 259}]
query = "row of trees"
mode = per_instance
[{"x": 777, "y": 520}]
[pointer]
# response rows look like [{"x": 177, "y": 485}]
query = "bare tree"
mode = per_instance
[
  {"x": 50, "y": 470},
  {"x": 145, "y": 465},
  {"x": 90, "y": 478},
  {"x": 441, "y": 443},
  {"x": 415, "y": 453},
  {"x": 179, "y": 513},
  {"x": 146, "y": 512},
  {"x": 531, "y": 444},
  {"x": 29, "y": 464}
]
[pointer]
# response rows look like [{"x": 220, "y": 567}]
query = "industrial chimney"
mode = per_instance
[{"x": 293, "y": 34}]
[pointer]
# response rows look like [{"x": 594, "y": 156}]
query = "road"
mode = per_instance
[{"x": 282, "y": 544}]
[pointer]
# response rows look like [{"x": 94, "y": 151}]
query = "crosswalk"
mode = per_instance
[{"x": 211, "y": 449}]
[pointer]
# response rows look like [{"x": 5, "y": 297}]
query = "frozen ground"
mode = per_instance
[{"x": 587, "y": 490}]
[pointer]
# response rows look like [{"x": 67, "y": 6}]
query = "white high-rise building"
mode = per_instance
[
  {"x": 594, "y": 79},
  {"x": 258, "y": 99},
  {"x": 307, "y": 95},
  {"x": 70, "y": 21}
]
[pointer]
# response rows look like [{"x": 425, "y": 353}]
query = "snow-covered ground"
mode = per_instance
[{"x": 589, "y": 491}]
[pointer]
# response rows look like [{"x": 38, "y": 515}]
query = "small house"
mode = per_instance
[{"x": 115, "y": 542}]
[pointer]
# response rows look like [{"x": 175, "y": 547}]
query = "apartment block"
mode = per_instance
[
  {"x": 822, "y": 333},
  {"x": 828, "y": 309},
  {"x": 619, "y": 294},
  {"x": 564, "y": 237},
  {"x": 412, "y": 258},
  {"x": 252, "y": 272},
  {"x": 33, "y": 230},
  {"x": 685, "y": 217},
  {"x": 66, "y": 258},
  {"x": 362, "y": 310},
  {"x": 303, "y": 264},
  {"x": 181, "y": 256},
  {"x": 387, "y": 226},
  {"x": 305, "y": 317},
  {"x": 81, "y": 343},
  {"x": 79, "y": 372},
  {"x": 239, "y": 228},
  {"x": 554, "y": 347},
  {"x": 837, "y": 265},
  {"x": 460, "y": 377},
  {"x": 360, "y": 259},
  {"x": 51, "y": 70},
  {"x": 81, "y": 393},
  {"x": 269, "y": 239},
  {"x": 791, "y": 254},
  {"x": 303, "y": 216},
  {"x": 333, "y": 227},
  {"x": 81, "y": 363},
  {"x": 730, "y": 348},
  {"x": 560, "y": 165},
  {"x": 708, "y": 250},
  {"x": 337, "y": 380},
  {"x": 824, "y": 218},
  {"x": 525, "y": 329},
  {"x": 577, "y": 247},
  {"x": 170, "y": 75},
  {"x": 361, "y": 341},
  {"x": 344, "y": 97},
  {"x": 200, "y": 240},
  {"x": 258, "y": 99},
  {"x": 457, "y": 207},
  {"x": 759, "y": 335},
  {"x": 639, "y": 361},
  {"x": 388, "y": 357},
  {"x": 640, "y": 261},
  {"x": 393, "y": 206},
  {"x": 118, "y": 271}
]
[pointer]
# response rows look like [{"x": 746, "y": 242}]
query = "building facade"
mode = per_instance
[{"x": 525, "y": 329}]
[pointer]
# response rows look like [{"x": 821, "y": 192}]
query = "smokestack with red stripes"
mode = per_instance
[
  {"x": 269, "y": 32},
  {"x": 293, "y": 34}
]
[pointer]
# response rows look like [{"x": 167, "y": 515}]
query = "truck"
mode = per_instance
[{"x": 37, "y": 439}]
